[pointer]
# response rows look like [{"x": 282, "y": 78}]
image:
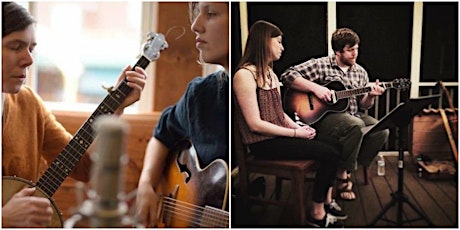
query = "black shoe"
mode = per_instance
[
  {"x": 334, "y": 209},
  {"x": 328, "y": 221}
]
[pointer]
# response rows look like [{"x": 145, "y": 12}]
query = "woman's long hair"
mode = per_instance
[{"x": 257, "y": 50}]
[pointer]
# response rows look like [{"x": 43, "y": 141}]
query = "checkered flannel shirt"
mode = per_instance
[{"x": 324, "y": 70}]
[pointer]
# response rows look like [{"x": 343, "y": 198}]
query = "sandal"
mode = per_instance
[{"x": 348, "y": 188}]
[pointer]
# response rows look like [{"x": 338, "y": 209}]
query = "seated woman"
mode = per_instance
[{"x": 268, "y": 131}]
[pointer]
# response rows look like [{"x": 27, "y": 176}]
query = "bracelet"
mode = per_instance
[{"x": 294, "y": 132}]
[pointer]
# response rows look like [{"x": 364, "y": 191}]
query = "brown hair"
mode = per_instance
[
  {"x": 342, "y": 37},
  {"x": 14, "y": 18},
  {"x": 257, "y": 49},
  {"x": 192, "y": 9}
]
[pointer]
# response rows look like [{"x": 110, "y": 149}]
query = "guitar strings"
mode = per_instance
[
  {"x": 195, "y": 221},
  {"x": 190, "y": 207},
  {"x": 186, "y": 211},
  {"x": 183, "y": 203},
  {"x": 351, "y": 92}
]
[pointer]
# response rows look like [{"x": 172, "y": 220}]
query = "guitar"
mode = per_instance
[
  {"x": 191, "y": 196},
  {"x": 452, "y": 134},
  {"x": 311, "y": 109},
  {"x": 65, "y": 162}
]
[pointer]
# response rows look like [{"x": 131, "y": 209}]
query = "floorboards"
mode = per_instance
[{"x": 437, "y": 199}]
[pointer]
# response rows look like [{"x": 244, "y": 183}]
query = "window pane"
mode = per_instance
[
  {"x": 304, "y": 34},
  {"x": 82, "y": 45},
  {"x": 440, "y": 42},
  {"x": 384, "y": 36}
]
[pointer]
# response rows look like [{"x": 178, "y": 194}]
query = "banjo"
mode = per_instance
[{"x": 65, "y": 162}]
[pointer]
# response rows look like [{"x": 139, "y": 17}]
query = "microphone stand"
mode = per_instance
[
  {"x": 399, "y": 118},
  {"x": 106, "y": 205}
]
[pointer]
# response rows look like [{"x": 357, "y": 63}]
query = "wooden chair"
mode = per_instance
[
  {"x": 294, "y": 170},
  {"x": 366, "y": 175}
]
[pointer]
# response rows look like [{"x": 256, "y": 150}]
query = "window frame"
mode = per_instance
[{"x": 149, "y": 15}]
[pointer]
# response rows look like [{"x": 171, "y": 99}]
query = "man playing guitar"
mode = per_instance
[{"x": 310, "y": 77}]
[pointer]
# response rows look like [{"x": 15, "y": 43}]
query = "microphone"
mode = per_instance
[{"x": 105, "y": 206}]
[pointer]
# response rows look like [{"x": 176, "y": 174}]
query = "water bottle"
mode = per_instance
[
  {"x": 380, "y": 166},
  {"x": 420, "y": 170}
]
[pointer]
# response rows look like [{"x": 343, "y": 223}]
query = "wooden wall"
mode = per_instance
[{"x": 177, "y": 64}]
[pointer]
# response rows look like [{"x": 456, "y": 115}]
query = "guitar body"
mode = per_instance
[
  {"x": 452, "y": 132},
  {"x": 190, "y": 188},
  {"x": 309, "y": 107},
  {"x": 12, "y": 185}
]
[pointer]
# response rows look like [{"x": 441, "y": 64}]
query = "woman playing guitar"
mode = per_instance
[{"x": 201, "y": 114}]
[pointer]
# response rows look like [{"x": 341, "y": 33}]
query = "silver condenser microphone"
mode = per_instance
[{"x": 105, "y": 206}]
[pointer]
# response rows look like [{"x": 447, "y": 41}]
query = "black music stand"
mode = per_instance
[{"x": 400, "y": 118}]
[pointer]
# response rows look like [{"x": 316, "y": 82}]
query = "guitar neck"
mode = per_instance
[
  {"x": 66, "y": 161},
  {"x": 353, "y": 92},
  {"x": 143, "y": 62}
]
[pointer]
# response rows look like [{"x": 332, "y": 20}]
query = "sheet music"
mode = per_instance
[{"x": 401, "y": 114}]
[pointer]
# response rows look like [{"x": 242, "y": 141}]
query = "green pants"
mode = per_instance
[{"x": 356, "y": 148}]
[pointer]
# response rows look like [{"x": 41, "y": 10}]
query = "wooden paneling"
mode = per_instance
[
  {"x": 141, "y": 128},
  {"x": 177, "y": 64}
]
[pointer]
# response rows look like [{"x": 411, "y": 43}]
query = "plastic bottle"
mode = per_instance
[
  {"x": 420, "y": 170},
  {"x": 381, "y": 166}
]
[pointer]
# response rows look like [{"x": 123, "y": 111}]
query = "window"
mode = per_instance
[
  {"x": 82, "y": 46},
  {"x": 303, "y": 40},
  {"x": 440, "y": 42}
]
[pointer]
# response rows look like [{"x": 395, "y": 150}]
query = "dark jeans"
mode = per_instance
[
  {"x": 326, "y": 151},
  {"x": 347, "y": 130}
]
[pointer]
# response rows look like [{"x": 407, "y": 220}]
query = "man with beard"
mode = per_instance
[{"x": 313, "y": 77}]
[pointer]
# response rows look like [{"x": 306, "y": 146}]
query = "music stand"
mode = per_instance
[{"x": 400, "y": 117}]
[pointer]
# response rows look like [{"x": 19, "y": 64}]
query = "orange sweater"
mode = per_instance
[{"x": 30, "y": 133}]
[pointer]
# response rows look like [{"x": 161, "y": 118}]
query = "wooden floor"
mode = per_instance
[{"x": 436, "y": 199}]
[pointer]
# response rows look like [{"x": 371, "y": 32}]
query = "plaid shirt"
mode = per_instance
[{"x": 324, "y": 70}]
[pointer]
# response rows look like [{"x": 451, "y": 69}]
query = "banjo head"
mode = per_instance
[{"x": 11, "y": 185}]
